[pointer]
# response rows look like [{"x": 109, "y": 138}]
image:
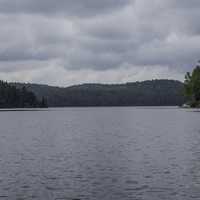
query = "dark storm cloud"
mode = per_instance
[{"x": 99, "y": 35}]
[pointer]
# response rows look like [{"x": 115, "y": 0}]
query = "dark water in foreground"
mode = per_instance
[{"x": 100, "y": 154}]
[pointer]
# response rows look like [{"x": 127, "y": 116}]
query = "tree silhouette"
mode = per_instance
[{"x": 192, "y": 86}]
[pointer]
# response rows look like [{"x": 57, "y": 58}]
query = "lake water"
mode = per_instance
[{"x": 100, "y": 154}]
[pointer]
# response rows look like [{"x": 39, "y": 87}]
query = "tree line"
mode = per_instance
[
  {"x": 12, "y": 97},
  {"x": 192, "y": 87},
  {"x": 145, "y": 93}
]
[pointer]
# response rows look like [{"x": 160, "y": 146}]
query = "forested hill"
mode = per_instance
[
  {"x": 11, "y": 97},
  {"x": 146, "y": 93}
]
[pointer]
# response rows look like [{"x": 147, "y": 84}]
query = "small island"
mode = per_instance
[{"x": 192, "y": 88}]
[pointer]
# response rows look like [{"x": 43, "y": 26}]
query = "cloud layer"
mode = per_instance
[{"x": 67, "y": 42}]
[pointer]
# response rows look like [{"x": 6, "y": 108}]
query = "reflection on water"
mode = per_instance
[{"x": 100, "y": 154}]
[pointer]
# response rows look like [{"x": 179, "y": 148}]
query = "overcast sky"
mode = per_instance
[{"x": 69, "y": 42}]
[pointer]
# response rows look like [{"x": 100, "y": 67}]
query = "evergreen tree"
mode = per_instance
[
  {"x": 192, "y": 86},
  {"x": 43, "y": 103},
  {"x": 11, "y": 97}
]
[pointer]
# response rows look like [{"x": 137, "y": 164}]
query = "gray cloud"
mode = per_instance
[
  {"x": 63, "y": 7},
  {"x": 97, "y": 37}
]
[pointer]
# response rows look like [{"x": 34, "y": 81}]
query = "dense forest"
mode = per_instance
[
  {"x": 12, "y": 97},
  {"x": 192, "y": 87},
  {"x": 146, "y": 93}
]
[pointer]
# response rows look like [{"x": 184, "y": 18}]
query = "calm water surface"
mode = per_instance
[{"x": 100, "y": 154}]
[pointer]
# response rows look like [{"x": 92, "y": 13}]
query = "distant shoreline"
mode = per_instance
[
  {"x": 60, "y": 108},
  {"x": 161, "y": 92}
]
